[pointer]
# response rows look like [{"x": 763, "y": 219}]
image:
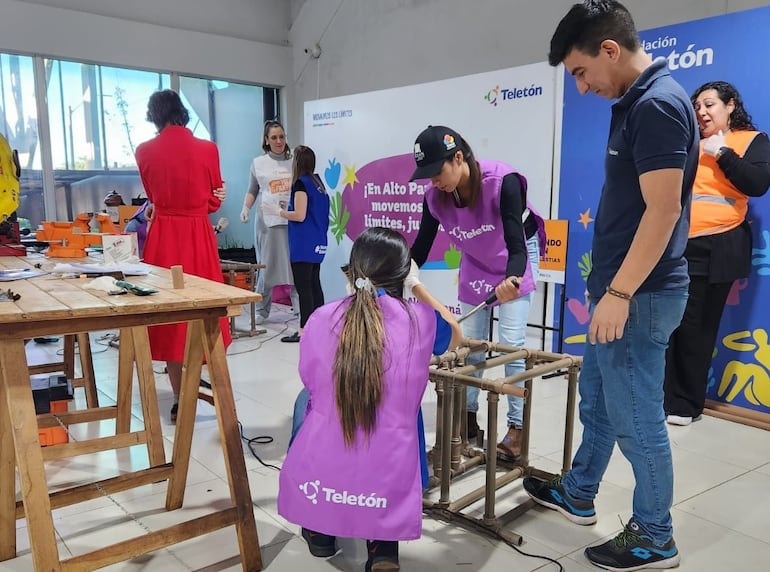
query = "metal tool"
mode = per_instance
[
  {"x": 134, "y": 289},
  {"x": 489, "y": 301},
  {"x": 70, "y": 239}
]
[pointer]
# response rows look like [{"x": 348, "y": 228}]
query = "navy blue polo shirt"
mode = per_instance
[{"x": 653, "y": 127}]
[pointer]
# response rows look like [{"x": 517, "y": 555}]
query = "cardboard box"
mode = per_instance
[
  {"x": 120, "y": 248},
  {"x": 125, "y": 212}
]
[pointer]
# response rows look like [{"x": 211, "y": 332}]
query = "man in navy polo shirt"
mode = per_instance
[{"x": 638, "y": 282}]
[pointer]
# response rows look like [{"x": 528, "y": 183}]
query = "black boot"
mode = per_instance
[
  {"x": 320, "y": 545},
  {"x": 383, "y": 556}
]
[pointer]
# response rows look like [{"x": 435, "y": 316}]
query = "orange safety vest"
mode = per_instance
[{"x": 717, "y": 206}]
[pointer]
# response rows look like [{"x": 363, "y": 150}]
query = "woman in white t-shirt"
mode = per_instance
[{"x": 270, "y": 182}]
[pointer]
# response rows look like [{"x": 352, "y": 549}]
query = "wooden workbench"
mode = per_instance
[{"x": 54, "y": 306}]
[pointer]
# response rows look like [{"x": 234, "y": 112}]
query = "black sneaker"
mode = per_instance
[
  {"x": 174, "y": 410},
  {"x": 633, "y": 550},
  {"x": 320, "y": 545},
  {"x": 383, "y": 556},
  {"x": 552, "y": 495}
]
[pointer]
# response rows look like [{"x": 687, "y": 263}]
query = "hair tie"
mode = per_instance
[{"x": 364, "y": 284}]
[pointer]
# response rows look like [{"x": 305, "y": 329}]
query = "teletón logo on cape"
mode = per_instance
[{"x": 315, "y": 492}]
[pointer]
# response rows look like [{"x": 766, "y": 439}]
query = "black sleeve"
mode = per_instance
[
  {"x": 512, "y": 204},
  {"x": 751, "y": 173},
  {"x": 425, "y": 236},
  {"x": 297, "y": 186}
]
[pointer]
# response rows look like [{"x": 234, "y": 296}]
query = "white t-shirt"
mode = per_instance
[{"x": 274, "y": 179}]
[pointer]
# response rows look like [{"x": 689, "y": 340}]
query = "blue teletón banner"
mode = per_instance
[{"x": 732, "y": 48}]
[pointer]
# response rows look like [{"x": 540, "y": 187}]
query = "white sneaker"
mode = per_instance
[
  {"x": 678, "y": 420},
  {"x": 259, "y": 319}
]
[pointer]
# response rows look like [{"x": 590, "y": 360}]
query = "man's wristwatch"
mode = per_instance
[{"x": 720, "y": 152}]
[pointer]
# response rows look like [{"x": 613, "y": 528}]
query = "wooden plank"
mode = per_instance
[
  {"x": 87, "y": 369},
  {"x": 29, "y": 328},
  {"x": 20, "y": 408},
  {"x": 738, "y": 414},
  {"x": 47, "y": 420},
  {"x": 69, "y": 356},
  {"x": 90, "y": 491},
  {"x": 185, "y": 420},
  {"x": 197, "y": 286},
  {"x": 229, "y": 434},
  {"x": 126, "y": 358},
  {"x": 16, "y": 262},
  {"x": 10, "y": 313},
  {"x": 71, "y": 293},
  {"x": 46, "y": 368},
  {"x": 37, "y": 301},
  {"x": 75, "y": 448},
  {"x": 7, "y": 481},
  {"x": 153, "y": 541},
  {"x": 49, "y": 297},
  {"x": 149, "y": 396}
]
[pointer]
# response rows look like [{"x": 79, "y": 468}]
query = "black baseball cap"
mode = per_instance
[{"x": 432, "y": 148}]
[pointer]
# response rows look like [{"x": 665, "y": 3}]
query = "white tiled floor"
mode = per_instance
[{"x": 721, "y": 502}]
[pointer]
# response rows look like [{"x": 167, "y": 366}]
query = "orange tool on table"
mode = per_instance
[{"x": 70, "y": 239}]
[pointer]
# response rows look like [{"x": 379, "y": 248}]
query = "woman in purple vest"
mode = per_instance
[
  {"x": 353, "y": 469},
  {"x": 483, "y": 206}
]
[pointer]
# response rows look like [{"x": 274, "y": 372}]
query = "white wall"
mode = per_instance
[
  {"x": 370, "y": 45},
  {"x": 367, "y": 44},
  {"x": 241, "y": 40}
]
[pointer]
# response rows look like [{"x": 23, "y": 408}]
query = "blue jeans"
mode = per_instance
[
  {"x": 300, "y": 408},
  {"x": 621, "y": 400},
  {"x": 512, "y": 331}
]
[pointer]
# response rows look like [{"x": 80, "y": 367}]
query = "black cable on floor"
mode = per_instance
[
  {"x": 547, "y": 558},
  {"x": 259, "y": 440},
  {"x": 473, "y": 524}
]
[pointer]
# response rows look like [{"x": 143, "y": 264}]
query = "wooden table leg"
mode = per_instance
[
  {"x": 206, "y": 335},
  {"x": 7, "y": 481},
  {"x": 185, "y": 421},
  {"x": 141, "y": 343},
  {"x": 126, "y": 358},
  {"x": 229, "y": 435},
  {"x": 14, "y": 375},
  {"x": 87, "y": 369},
  {"x": 69, "y": 356}
]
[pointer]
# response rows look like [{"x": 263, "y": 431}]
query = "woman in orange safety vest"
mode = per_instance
[{"x": 734, "y": 165}]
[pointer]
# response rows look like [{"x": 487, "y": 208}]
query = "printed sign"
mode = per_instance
[{"x": 553, "y": 264}]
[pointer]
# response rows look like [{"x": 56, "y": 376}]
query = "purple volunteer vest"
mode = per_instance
[
  {"x": 478, "y": 234},
  {"x": 372, "y": 490}
]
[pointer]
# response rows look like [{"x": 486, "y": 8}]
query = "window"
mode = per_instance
[
  {"x": 97, "y": 117},
  {"x": 18, "y": 109},
  {"x": 232, "y": 115}
]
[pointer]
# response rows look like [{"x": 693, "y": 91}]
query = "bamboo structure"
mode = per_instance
[{"x": 453, "y": 455}]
